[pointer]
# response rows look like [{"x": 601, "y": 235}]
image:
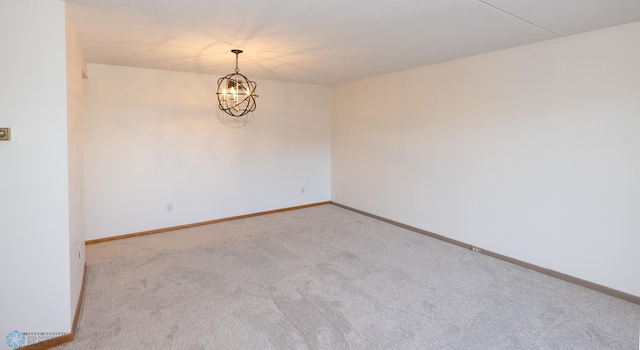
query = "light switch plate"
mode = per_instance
[{"x": 5, "y": 134}]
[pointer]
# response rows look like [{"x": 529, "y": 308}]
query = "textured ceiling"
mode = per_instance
[{"x": 324, "y": 41}]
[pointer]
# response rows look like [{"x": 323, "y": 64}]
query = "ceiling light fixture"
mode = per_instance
[{"x": 236, "y": 93}]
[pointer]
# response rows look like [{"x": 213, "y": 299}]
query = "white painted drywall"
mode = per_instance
[
  {"x": 34, "y": 205},
  {"x": 152, "y": 138},
  {"x": 75, "y": 67},
  {"x": 531, "y": 152}
]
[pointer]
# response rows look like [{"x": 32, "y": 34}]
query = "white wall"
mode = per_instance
[
  {"x": 34, "y": 205},
  {"x": 152, "y": 138},
  {"x": 531, "y": 152},
  {"x": 75, "y": 66}
]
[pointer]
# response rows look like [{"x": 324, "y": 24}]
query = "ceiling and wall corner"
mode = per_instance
[{"x": 324, "y": 42}]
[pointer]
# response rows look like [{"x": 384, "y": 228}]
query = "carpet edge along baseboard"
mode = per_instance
[
  {"x": 567, "y": 278},
  {"x": 209, "y": 222}
]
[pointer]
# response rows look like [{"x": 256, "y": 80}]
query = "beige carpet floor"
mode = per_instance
[{"x": 328, "y": 278}]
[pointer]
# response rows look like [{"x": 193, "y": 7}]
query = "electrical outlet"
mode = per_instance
[
  {"x": 169, "y": 208},
  {"x": 476, "y": 249}
]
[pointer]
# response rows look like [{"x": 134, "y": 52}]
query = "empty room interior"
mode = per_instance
[{"x": 398, "y": 175}]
